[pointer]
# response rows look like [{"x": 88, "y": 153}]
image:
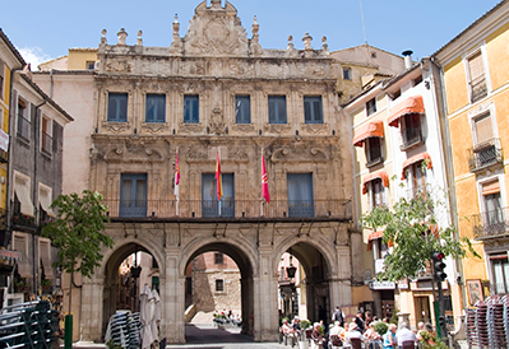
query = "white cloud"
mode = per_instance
[{"x": 34, "y": 56}]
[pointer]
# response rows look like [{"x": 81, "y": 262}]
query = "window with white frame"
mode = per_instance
[
  {"x": 478, "y": 88},
  {"x": 500, "y": 271},
  {"x": 493, "y": 215},
  {"x": 46, "y": 135},
  {"x": 371, "y": 107},
  {"x": 411, "y": 131},
  {"x": 416, "y": 176},
  {"x": 24, "y": 120},
  {"x": 373, "y": 150},
  {"x": 376, "y": 193}
]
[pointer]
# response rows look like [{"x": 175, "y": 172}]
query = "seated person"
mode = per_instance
[
  {"x": 353, "y": 333},
  {"x": 404, "y": 334},
  {"x": 288, "y": 330}
]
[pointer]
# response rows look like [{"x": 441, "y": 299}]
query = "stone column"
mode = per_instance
[
  {"x": 173, "y": 302},
  {"x": 266, "y": 314}
]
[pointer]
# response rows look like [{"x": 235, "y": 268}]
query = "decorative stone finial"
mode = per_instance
[
  {"x": 122, "y": 35},
  {"x": 307, "y": 42},
  {"x": 254, "y": 45},
  {"x": 255, "y": 29},
  {"x": 176, "y": 26},
  {"x": 139, "y": 42},
  {"x": 290, "y": 48},
  {"x": 103, "y": 37},
  {"x": 216, "y": 4},
  {"x": 176, "y": 45},
  {"x": 325, "y": 46}
]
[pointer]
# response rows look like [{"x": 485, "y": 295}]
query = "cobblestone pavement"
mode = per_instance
[{"x": 207, "y": 336}]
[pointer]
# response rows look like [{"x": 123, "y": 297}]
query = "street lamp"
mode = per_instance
[{"x": 290, "y": 271}]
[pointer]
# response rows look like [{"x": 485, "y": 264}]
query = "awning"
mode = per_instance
[
  {"x": 45, "y": 202},
  {"x": 372, "y": 129},
  {"x": 45, "y": 254},
  {"x": 380, "y": 174},
  {"x": 20, "y": 244},
  {"x": 410, "y": 105},
  {"x": 26, "y": 205},
  {"x": 491, "y": 188},
  {"x": 373, "y": 236},
  {"x": 416, "y": 158}
]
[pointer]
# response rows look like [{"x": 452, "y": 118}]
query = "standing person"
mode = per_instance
[
  {"x": 338, "y": 316},
  {"x": 367, "y": 318},
  {"x": 390, "y": 337},
  {"x": 361, "y": 326}
]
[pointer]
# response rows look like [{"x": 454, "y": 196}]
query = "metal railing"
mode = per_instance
[
  {"x": 491, "y": 223},
  {"x": 229, "y": 209},
  {"x": 478, "y": 89},
  {"x": 23, "y": 127},
  {"x": 485, "y": 154},
  {"x": 46, "y": 143}
]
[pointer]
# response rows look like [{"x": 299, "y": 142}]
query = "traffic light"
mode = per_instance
[
  {"x": 441, "y": 321},
  {"x": 439, "y": 266}
]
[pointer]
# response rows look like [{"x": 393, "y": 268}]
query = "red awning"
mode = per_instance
[
  {"x": 380, "y": 174},
  {"x": 410, "y": 105},
  {"x": 416, "y": 158},
  {"x": 372, "y": 129},
  {"x": 373, "y": 236}
]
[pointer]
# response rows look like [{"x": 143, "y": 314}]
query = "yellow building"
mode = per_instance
[
  {"x": 78, "y": 58},
  {"x": 475, "y": 74}
]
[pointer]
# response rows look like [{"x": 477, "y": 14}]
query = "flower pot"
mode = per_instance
[{"x": 303, "y": 344}]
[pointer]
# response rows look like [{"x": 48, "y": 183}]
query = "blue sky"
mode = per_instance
[{"x": 47, "y": 29}]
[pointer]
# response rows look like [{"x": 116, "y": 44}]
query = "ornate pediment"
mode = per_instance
[{"x": 216, "y": 31}]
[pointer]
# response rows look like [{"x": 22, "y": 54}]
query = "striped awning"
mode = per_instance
[
  {"x": 416, "y": 158},
  {"x": 411, "y": 105},
  {"x": 380, "y": 174},
  {"x": 372, "y": 129}
]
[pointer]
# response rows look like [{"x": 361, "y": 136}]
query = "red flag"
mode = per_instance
[
  {"x": 177, "y": 177},
  {"x": 219, "y": 178},
  {"x": 265, "y": 181}
]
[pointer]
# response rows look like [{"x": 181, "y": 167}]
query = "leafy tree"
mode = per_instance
[
  {"x": 77, "y": 232},
  {"x": 411, "y": 227}
]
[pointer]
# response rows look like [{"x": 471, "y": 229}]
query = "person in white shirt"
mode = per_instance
[
  {"x": 336, "y": 329},
  {"x": 353, "y": 333},
  {"x": 404, "y": 334}
]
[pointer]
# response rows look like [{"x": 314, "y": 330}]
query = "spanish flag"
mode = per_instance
[{"x": 219, "y": 178}]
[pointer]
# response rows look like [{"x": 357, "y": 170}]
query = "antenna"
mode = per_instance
[{"x": 363, "y": 25}]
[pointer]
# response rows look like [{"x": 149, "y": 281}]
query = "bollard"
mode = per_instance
[{"x": 68, "y": 332}]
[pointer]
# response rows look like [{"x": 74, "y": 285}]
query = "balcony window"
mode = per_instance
[
  {"x": 373, "y": 151},
  {"x": 210, "y": 204},
  {"x": 478, "y": 88},
  {"x": 487, "y": 149},
  {"x": 46, "y": 136},
  {"x": 411, "y": 131},
  {"x": 117, "y": 107},
  {"x": 300, "y": 195},
  {"x": 242, "y": 109},
  {"x": 191, "y": 109},
  {"x": 277, "y": 110},
  {"x": 23, "y": 120},
  {"x": 376, "y": 193},
  {"x": 133, "y": 195},
  {"x": 500, "y": 270},
  {"x": 155, "y": 110},
  {"x": 416, "y": 176},
  {"x": 313, "y": 111}
]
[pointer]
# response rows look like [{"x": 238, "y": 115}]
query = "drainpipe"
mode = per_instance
[
  {"x": 35, "y": 137},
  {"x": 453, "y": 201}
]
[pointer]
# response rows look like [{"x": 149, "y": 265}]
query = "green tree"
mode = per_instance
[
  {"x": 412, "y": 228},
  {"x": 78, "y": 235}
]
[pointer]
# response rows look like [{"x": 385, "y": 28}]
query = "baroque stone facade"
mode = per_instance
[{"x": 202, "y": 82}]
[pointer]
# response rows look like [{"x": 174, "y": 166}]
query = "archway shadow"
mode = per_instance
[{"x": 209, "y": 333}]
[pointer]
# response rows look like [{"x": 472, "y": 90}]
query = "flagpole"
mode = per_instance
[
  {"x": 220, "y": 176},
  {"x": 177, "y": 189},
  {"x": 261, "y": 178}
]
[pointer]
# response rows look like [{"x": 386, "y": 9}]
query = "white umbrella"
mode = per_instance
[
  {"x": 145, "y": 317},
  {"x": 156, "y": 318}
]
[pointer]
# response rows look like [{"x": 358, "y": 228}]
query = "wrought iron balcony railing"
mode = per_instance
[
  {"x": 229, "y": 209},
  {"x": 478, "y": 89},
  {"x": 485, "y": 154},
  {"x": 491, "y": 223}
]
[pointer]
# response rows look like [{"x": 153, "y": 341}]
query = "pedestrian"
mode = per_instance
[
  {"x": 367, "y": 318},
  {"x": 338, "y": 316},
  {"x": 360, "y": 322}
]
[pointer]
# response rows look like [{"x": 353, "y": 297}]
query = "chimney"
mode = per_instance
[{"x": 408, "y": 58}]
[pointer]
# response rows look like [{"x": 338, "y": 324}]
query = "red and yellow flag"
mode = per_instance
[
  {"x": 265, "y": 181},
  {"x": 219, "y": 178}
]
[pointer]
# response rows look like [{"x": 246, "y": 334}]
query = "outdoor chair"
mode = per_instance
[
  {"x": 408, "y": 345},
  {"x": 335, "y": 342},
  {"x": 356, "y": 343}
]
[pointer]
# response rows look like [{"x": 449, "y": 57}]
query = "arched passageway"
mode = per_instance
[
  {"x": 303, "y": 283},
  {"x": 211, "y": 285}
]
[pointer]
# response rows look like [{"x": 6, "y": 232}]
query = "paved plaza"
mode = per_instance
[{"x": 207, "y": 335}]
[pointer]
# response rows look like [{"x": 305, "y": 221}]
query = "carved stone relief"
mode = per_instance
[
  {"x": 315, "y": 129},
  {"x": 120, "y": 66},
  {"x": 216, "y": 124},
  {"x": 299, "y": 154}
]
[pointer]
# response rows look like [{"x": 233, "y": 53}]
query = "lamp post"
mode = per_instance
[{"x": 290, "y": 271}]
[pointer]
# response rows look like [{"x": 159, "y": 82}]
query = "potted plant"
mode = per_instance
[
  {"x": 304, "y": 326},
  {"x": 381, "y": 328},
  {"x": 46, "y": 286}
]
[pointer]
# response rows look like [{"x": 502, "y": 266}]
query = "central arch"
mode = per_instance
[{"x": 244, "y": 260}]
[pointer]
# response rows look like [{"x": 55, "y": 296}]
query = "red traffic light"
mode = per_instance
[{"x": 438, "y": 256}]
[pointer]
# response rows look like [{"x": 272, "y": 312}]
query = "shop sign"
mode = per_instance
[
  {"x": 10, "y": 255},
  {"x": 382, "y": 285}
]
